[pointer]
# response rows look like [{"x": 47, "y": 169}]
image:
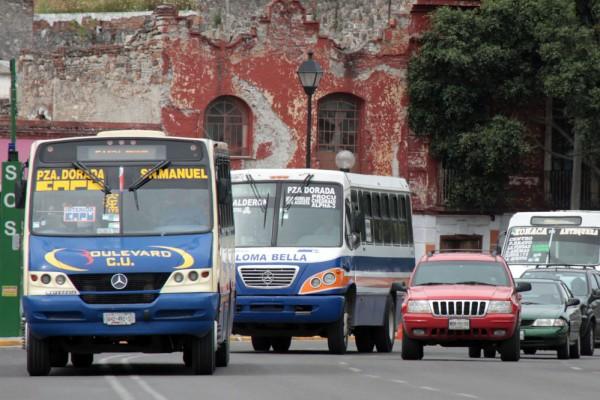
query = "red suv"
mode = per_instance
[{"x": 462, "y": 299}]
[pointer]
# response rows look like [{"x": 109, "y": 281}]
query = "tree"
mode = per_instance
[{"x": 482, "y": 76}]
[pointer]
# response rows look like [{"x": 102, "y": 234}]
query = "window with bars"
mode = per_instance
[
  {"x": 338, "y": 123},
  {"x": 227, "y": 121}
]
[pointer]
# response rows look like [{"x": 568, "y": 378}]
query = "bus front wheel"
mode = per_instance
[
  {"x": 202, "y": 353},
  {"x": 222, "y": 359},
  {"x": 261, "y": 343},
  {"x": 38, "y": 356},
  {"x": 337, "y": 334}
]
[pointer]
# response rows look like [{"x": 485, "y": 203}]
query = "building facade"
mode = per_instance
[{"x": 228, "y": 72}]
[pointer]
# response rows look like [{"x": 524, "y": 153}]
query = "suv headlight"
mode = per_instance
[
  {"x": 500, "y": 307},
  {"x": 549, "y": 322},
  {"x": 418, "y": 306}
]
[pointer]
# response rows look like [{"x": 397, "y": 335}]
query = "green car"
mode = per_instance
[{"x": 550, "y": 318}]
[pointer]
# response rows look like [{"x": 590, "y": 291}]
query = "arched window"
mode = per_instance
[
  {"x": 338, "y": 125},
  {"x": 227, "y": 121}
]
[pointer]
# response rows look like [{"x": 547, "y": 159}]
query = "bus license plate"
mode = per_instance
[
  {"x": 458, "y": 324},
  {"x": 119, "y": 318}
]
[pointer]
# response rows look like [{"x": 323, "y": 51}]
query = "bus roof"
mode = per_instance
[
  {"x": 298, "y": 174},
  {"x": 588, "y": 218},
  {"x": 132, "y": 132}
]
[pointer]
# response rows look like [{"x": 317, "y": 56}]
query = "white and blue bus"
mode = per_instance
[
  {"x": 317, "y": 253},
  {"x": 128, "y": 247}
]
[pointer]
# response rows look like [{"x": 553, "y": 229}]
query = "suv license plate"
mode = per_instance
[
  {"x": 123, "y": 318},
  {"x": 459, "y": 324}
]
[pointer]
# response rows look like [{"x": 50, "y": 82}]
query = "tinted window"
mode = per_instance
[
  {"x": 454, "y": 272},
  {"x": 542, "y": 293},
  {"x": 575, "y": 281}
]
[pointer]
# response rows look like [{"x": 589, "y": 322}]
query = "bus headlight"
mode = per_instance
[
  {"x": 50, "y": 284},
  {"x": 329, "y": 279},
  {"x": 189, "y": 281}
]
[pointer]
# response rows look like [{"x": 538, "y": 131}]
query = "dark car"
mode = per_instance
[
  {"x": 550, "y": 318},
  {"x": 584, "y": 283}
]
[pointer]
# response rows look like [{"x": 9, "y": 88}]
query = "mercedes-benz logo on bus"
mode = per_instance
[
  {"x": 118, "y": 281},
  {"x": 267, "y": 277}
]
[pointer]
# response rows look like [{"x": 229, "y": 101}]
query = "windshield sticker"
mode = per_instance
[
  {"x": 528, "y": 231},
  {"x": 311, "y": 196},
  {"x": 79, "y": 214},
  {"x": 249, "y": 202},
  {"x": 540, "y": 247},
  {"x": 107, "y": 231},
  {"x": 177, "y": 173},
  {"x": 578, "y": 231},
  {"x": 111, "y": 205},
  {"x": 518, "y": 248},
  {"x": 60, "y": 179}
]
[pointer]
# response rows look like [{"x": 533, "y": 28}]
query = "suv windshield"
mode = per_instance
[
  {"x": 542, "y": 293},
  {"x": 174, "y": 200},
  {"x": 460, "y": 272},
  {"x": 549, "y": 245},
  {"x": 287, "y": 214},
  {"x": 576, "y": 281}
]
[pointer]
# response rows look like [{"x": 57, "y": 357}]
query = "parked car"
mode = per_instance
[
  {"x": 462, "y": 299},
  {"x": 550, "y": 319},
  {"x": 584, "y": 283}
]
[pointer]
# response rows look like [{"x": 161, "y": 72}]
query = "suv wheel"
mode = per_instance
[
  {"x": 411, "y": 349},
  {"x": 587, "y": 341},
  {"x": 474, "y": 351},
  {"x": 574, "y": 349},
  {"x": 562, "y": 352},
  {"x": 489, "y": 352},
  {"x": 510, "y": 349}
]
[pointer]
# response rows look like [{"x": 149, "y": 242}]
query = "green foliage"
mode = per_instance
[
  {"x": 78, "y": 6},
  {"x": 479, "y": 73}
]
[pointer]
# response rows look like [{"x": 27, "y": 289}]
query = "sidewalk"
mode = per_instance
[{"x": 11, "y": 342}]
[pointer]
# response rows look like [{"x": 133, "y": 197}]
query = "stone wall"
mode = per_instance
[
  {"x": 350, "y": 23},
  {"x": 15, "y": 27}
]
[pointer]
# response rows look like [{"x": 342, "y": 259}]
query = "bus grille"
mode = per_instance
[
  {"x": 133, "y": 298},
  {"x": 101, "y": 282},
  {"x": 470, "y": 308},
  {"x": 269, "y": 277}
]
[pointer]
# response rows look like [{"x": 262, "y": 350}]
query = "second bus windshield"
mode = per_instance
[{"x": 288, "y": 214}]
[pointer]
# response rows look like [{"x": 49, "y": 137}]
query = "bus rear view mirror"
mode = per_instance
[
  {"x": 223, "y": 190},
  {"x": 399, "y": 286}
]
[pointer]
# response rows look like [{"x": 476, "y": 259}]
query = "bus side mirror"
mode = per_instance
[
  {"x": 399, "y": 287},
  {"x": 358, "y": 219},
  {"x": 500, "y": 242},
  {"x": 20, "y": 193}
]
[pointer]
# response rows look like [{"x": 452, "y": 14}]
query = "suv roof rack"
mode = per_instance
[
  {"x": 565, "y": 266},
  {"x": 493, "y": 253}
]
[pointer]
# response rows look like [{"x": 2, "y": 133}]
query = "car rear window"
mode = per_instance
[
  {"x": 457, "y": 272},
  {"x": 576, "y": 281}
]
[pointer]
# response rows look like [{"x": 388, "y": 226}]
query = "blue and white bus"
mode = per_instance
[
  {"x": 317, "y": 253},
  {"x": 128, "y": 247}
]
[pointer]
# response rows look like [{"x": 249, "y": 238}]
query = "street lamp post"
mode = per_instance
[{"x": 310, "y": 74}]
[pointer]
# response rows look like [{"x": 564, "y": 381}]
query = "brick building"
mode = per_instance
[{"x": 228, "y": 72}]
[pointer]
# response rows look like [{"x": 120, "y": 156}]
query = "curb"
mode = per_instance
[{"x": 11, "y": 342}]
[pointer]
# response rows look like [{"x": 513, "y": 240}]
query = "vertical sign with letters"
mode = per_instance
[{"x": 11, "y": 223}]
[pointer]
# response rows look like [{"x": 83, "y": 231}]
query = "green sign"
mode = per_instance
[{"x": 11, "y": 223}]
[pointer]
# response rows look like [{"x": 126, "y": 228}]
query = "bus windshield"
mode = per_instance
[
  {"x": 172, "y": 200},
  {"x": 553, "y": 245},
  {"x": 306, "y": 214}
]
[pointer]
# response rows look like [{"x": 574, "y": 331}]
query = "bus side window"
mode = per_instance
[
  {"x": 376, "y": 224},
  {"x": 403, "y": 220},
  {"x": 367, "y": 234},
  {"x": 395, "y": 220}
]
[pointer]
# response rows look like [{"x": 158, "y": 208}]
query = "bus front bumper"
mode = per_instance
[
  {"x": 288, "y": 309},
  {"x": 169, "y": 314}
]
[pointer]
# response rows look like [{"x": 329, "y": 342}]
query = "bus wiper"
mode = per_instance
[
  {"x": 145, "y": 178},
  {"x": 305, "y": 183},
  {"x": 256, "y": 193},
  {"x": 82, "y": 167}
]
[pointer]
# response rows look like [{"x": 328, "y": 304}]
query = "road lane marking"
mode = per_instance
[
  {"x": 355, "y": 369},
  {"x": 467, "y": 395},
  {"x": 373, "y": 376},
  {"x": 576, "y": 368},
  {"x": 114, "y": 382},
  {"x": 144, "y": 385},
  {"x": 398, "y": 381},
  {"x": 431, "y": 389},
  {"x": 343, "y": 363}
]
